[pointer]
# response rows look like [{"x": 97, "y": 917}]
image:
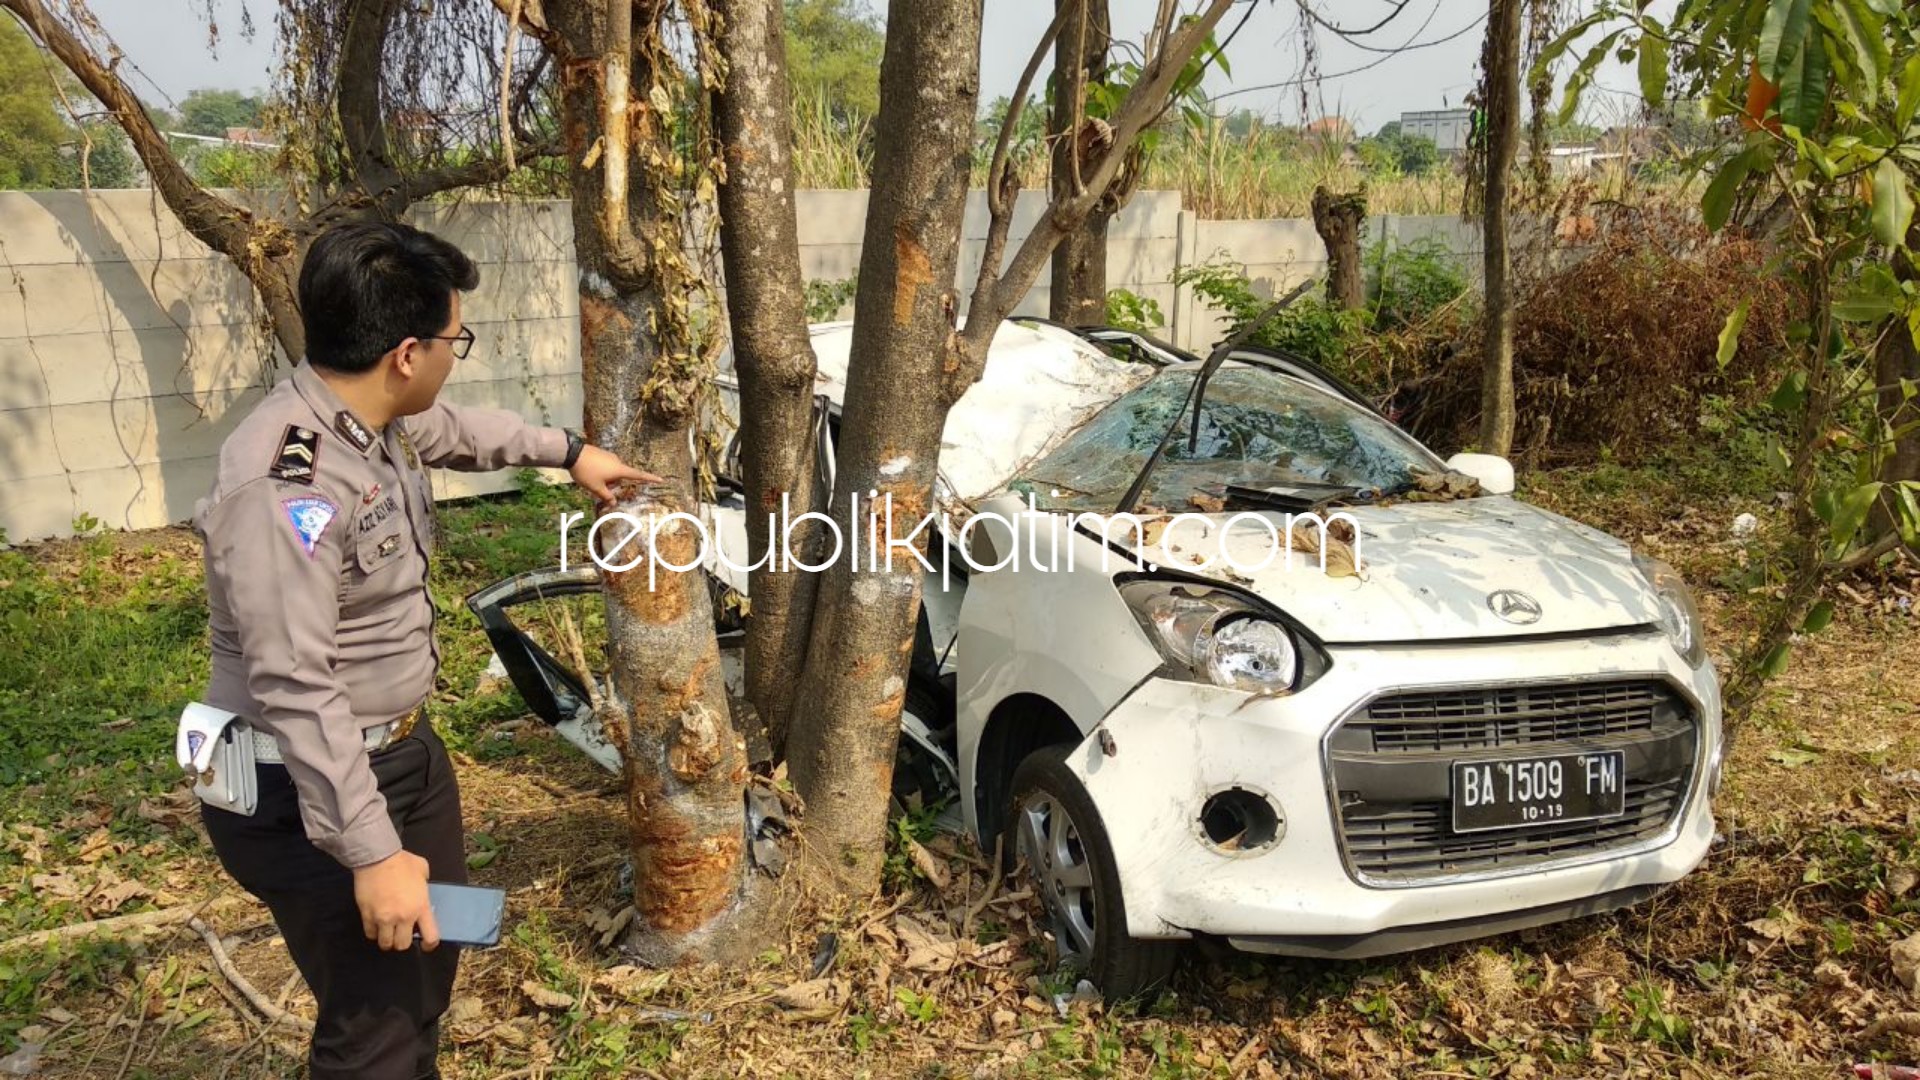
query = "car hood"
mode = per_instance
[{"x": 1429, "y": 572}]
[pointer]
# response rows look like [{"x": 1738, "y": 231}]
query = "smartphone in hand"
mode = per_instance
[{"x": 468, "y": 915}]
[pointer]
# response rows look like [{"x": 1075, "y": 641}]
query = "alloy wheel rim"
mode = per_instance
[{"x": 1056, "y": 858}]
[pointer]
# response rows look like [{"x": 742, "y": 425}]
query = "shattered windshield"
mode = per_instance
[{"x": 1258, "y": 429}]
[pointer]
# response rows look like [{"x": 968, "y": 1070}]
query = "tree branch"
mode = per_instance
[
  {"x": 995, "y": 201},
  {"x": 995, "y": 293},
  {"x": 358, "y": 90},
  {"x": 221, "y": 225},
  {"x": 1865, "y": 555}
]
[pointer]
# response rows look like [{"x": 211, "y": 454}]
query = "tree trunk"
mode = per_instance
[
  {"x": 1502, "y": 106},
  {"x": 842, "y": 749},
  {"x": 766, "y": 307},
  {"x": 1896, "y": 360},
  {"x": 1079, "y": 293},
  {"x": 1338, "y": 220},
  {"x": 685, "y": 766}
]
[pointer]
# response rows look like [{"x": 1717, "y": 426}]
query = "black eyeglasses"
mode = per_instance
[{"x": 462, "y": 342}]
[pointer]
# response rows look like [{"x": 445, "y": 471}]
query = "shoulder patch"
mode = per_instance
[
  {"x": 310, "y": 515},
  {"x": 299, "y": 453},
  {"x": 352, "y": 430}
]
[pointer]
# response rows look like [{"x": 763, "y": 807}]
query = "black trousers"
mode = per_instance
[{"x": 380, "y": 1011}]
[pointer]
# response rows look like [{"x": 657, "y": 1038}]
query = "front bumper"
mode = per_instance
[{"x": 1175, "y": 743}]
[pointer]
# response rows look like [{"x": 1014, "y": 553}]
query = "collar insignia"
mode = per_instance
[
  {"x": 351, "y": 429},
  {"x": 298, "y": 455}
]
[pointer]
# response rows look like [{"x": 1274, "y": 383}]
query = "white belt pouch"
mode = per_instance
[{"x": 216, "y": 747}]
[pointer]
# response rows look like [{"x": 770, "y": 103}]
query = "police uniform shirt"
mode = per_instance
[{"x": 317, "y": 534}]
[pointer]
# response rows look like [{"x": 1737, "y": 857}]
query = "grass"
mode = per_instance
[{"x": 1767, "y": 962}]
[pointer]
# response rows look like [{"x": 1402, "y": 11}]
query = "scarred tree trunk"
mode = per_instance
[
  {"x": 908, "y": 368},
  {"x": 766, "y": 308},
  {"x": 1079, "y": 284},
  {"x": 841, "y": 753},
  {"x": 1338, "y": 220},
  {"x": 1502, "y": 59},
  {"x": 685, "y": 766}
]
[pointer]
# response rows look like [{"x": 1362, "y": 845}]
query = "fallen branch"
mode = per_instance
[
  {"x": 232, "y": 974},
  {"x": 118, "y": 925},
  {"x": 993, "y": 886}
]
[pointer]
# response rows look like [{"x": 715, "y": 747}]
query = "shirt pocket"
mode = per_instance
[{"x": 381, "y": 549}]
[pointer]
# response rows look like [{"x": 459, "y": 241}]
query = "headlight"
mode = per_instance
[
  {"x": 1678, "y": 615},
  {"x": 1214, "y": 635}
]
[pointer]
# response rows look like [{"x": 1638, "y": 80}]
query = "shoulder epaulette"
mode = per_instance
[{"x": 298, "y": 455}]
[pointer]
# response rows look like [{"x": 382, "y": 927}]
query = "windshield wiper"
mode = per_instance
[{"x": 1197, "y": 395}]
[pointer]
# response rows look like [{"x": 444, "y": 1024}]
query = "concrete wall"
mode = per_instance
[{"x": 128, "y": 350}]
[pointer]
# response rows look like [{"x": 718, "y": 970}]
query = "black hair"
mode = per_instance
[{"x": 367, "y": 286}]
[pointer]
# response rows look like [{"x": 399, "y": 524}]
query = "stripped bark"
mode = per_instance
[
  {"x": 684, "y": 764},
  {"x": 767, "y": 311},
  {"x": 1501, "y": 58},
  {"x": 908, "y": 368},
  {"x": 842, "y": 748}
]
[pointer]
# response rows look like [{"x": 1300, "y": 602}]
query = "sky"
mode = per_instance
[{"x": 167, "y": 41}]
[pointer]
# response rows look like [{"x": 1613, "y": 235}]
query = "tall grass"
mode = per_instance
[{"x": 1266, "y": 172}]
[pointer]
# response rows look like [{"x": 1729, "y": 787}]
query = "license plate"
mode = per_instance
[{"x": 1515, "y": 792}]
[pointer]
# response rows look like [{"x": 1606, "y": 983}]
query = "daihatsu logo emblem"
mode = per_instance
[{"x": 1514, "y": 606}]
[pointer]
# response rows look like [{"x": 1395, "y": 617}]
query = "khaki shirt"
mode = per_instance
[{"x": 317, "y": 534}]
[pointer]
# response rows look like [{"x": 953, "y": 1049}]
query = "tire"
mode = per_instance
[{"x": 1081, "y": 887}]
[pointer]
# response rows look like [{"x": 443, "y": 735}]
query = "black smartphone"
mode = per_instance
[{"x": 467, "y": 915}]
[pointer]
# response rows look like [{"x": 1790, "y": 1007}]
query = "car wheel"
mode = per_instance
[{"x": 1053, "y": 827}]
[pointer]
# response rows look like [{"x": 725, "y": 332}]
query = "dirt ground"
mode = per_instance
[{"x": 1775, "y": 959}]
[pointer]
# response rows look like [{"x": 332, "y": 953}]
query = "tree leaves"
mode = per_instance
[
  {"x": 1803, "y": 83},
  {"x": 1716, "y": 205},
  {"x": 1892, "y": 204},
  {"x": 1782, "y": 34},
  {"x": 1653, "y": 68},
  {"x": 1850, "y": 512},
  {"x": 1730, "y": 332}
]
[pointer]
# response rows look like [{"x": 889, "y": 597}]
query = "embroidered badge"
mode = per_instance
[
  {"x": 195, "y": 740},
  {"x": 298, "y": 454},
  {"x": 372, "y": 494},
  {"x": 352, "y": 430},
  {"x": 374, "y": 518},
  {"x": 310, "y": 517}
]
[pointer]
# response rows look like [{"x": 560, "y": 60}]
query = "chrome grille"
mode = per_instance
[{"x": 1390, "y": 765}]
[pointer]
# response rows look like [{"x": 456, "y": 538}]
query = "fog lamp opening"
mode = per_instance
[{"x": 1237, "y": 820}]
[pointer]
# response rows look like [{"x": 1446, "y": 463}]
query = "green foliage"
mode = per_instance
[
  {"x": 826, "y": 296},
  {"x": 209, "y": 111},
  {"x": 1395, "y": 152},
  {"x": 32, "y": 129},
  {"x": 1131, "y": 311},
  {"x": 1407, "y": 282},
  {"x": 833, "y": 57},
  {"x": 1824, "y": 93}
]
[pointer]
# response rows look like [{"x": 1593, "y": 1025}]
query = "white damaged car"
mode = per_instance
[{"x": 1217, "y": 650}]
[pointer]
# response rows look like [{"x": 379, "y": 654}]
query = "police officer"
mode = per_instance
[{"x": 317, "y": 536}]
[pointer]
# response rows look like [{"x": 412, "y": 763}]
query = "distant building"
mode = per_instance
[
  {"x": 1448, "y": 128},
  {"x": 1331, "y": 128}
]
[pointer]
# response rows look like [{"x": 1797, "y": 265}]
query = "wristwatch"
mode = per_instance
[{"x": 576, "y": 442}]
